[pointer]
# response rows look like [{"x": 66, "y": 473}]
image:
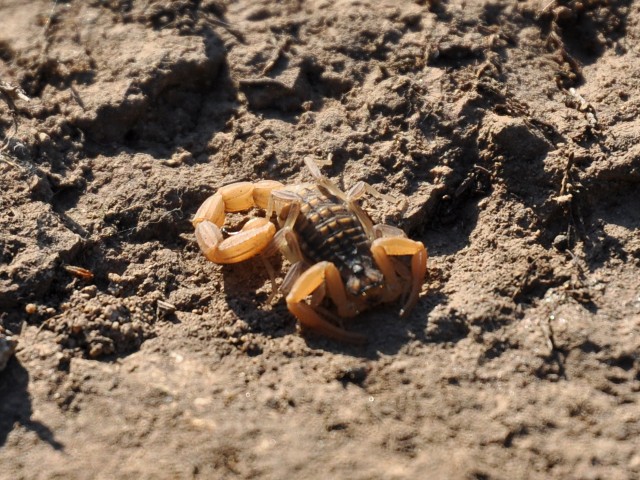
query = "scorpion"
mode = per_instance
[{"x": 335, "y": 250}]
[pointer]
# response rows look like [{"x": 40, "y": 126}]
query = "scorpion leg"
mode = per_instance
[
  {"x": 354, "y": 194},
  {"x": 293, "y": 275},
  {"x": 286, "y": 242},
  {"x": 350, "y": 198},
  {"x": 323, "y": 273},
  {"x": 360, "y": 188},
  {"x": 383, "y": 230},
  {"x": 322, "y": 180},
  {"x": 384, "y": 248},
  {"x": 255, "y": 235}
]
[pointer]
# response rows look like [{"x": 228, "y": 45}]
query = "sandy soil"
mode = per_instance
[{"x": 510, "y": 130}]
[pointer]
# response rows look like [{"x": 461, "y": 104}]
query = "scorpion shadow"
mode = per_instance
[
  {"x": 15, "y": 405},
  {"x": 247, "y": 288},
  {"x": 386, "y": 331}
]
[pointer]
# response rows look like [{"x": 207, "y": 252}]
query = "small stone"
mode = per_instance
[
  {"x": 96, "y": 350},
  {"x": 30, "y": 308},
  {"x": 561, "y": 242},
  {"x": 111, "y": 313},
  {"x": 114, "y": 277},
  {"x": 90, "y": 290},
  {"x": 564, "y": 199},
  {"x": 563, "y": 13},
  {"x": 79, "y": 326},
  {"x": 126, "y": 329},
  {"x": 43, "y": 137}
]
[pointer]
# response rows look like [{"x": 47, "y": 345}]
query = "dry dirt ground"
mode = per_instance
[{"x": 509, "y": 130}]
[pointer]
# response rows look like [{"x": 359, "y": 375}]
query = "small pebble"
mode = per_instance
[
  {"x": 96, "y": 350},
  {"x": 31, "y": 308},
  {"x": 90, "y": 290},
  {"x": 114, "y": 277},
  {"x": 43, "y": 137},
  {"x": 561, "y": 242},
  {"x": 126, "y": 329},
  {"x": 79, "y": 325},
  {"x": 111, "y": 313}
]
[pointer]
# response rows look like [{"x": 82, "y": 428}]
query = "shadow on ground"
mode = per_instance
[{"x": 15, "y": 406}]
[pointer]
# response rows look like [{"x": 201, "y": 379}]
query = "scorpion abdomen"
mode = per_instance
[{"x": 328, "y": 230}]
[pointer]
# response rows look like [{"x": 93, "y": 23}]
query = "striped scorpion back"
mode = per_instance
[{"x": 328, "y": 231}]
